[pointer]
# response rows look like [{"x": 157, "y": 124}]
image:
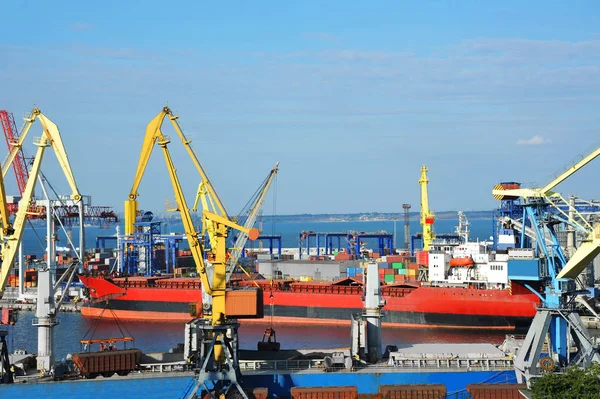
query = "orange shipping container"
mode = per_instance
[
  {"x": 429, "y": 391},
  {"x": 495, "y": 391},
  {"x": 244, "y": 304},
  {"x": 423, "y": 258},
  {"x": 260, "y": 393},
  {"x": 324, "y": 392}
]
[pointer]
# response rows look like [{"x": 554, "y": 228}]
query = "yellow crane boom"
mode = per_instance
[
  {"x": 50, "y": 137},
  {"x": 206, "y": 192},
  {"x": 545, "y": 191}
]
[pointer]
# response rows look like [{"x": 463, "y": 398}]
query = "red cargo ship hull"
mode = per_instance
[{"x": 407, "y": 305}]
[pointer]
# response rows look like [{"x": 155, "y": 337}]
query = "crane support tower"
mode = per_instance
[
  {"x": 556, "y": 320},
  {"x": 427, "y": 217}
]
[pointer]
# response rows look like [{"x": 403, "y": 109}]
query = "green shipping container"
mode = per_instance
[
  {"x": 397, "y": 265},
  {"x": 389, "y": 278}
]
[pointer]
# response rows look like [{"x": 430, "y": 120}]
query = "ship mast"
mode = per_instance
[{"x": 463, "y": 226}]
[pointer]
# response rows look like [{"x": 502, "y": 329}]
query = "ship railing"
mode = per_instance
[
  {"x": 452, "y": 363},
  {"x": 165, "y": 367},
  {"x": 261, "y": 365}
]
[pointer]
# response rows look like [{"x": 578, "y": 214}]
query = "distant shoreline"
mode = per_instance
[{"x": 365, "y": 217}]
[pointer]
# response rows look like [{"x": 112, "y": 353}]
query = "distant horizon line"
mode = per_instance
[{"x": 400, "y": 214}]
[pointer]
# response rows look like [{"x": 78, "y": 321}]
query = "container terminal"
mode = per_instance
[{"x": 527, "y": 263}]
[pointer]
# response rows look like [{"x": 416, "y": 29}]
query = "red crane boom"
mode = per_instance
[{"x": 12, "y": 136}]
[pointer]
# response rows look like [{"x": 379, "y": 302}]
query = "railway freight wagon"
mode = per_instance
[{"x": 107, "y": 363}]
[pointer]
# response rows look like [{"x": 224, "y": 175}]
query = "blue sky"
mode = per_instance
[{"x": 350, "y": 97}]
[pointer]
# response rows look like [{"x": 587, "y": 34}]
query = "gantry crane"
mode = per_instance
[
  {"x": 556, "y": 319},
  {"x": 216, "y": 331},
  {"x": 427, "y": 217},
  {"x": 12, "y": 233}
]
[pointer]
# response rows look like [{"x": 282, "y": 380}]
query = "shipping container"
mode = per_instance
[
  {"x": 324, "y": 392},
  {"x": 260, "y": 393},
  {"x": 424, "y": 391},
  {"x": 413, "y": 266},
  {"x": 398, "y": 265},
  {"x": 423, "y": 258},
  {"x": 244, "y": 304},
  {"x": 389, "y": 278},
  {"x": 394, "y": 258},
  {"x": 495, "y": 391}
]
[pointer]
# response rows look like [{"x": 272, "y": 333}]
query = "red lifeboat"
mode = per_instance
[{"x": 462, "y": 262}]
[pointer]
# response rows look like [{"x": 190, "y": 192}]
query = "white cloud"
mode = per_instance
[{"x": 535, "y": 140}]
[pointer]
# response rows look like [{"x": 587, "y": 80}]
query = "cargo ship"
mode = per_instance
[
  {"x": 464, "y": 286},
  {"x": 407, "y": 304},
  {"x": 457, "y": 283}
]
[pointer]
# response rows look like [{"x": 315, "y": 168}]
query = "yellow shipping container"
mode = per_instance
[{"x": 306, "y": 278}]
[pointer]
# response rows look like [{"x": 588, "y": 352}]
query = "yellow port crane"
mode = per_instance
[
  {"x": 427, "y": 217},
  {"x": 13, "y": 233},
  {"x": 216, "y": 223}
]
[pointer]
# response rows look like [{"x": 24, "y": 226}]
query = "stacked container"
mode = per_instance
[{"x": 398, "y": 268}]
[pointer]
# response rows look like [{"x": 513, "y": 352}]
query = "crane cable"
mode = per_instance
[{"x": 96, "y": 323}]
